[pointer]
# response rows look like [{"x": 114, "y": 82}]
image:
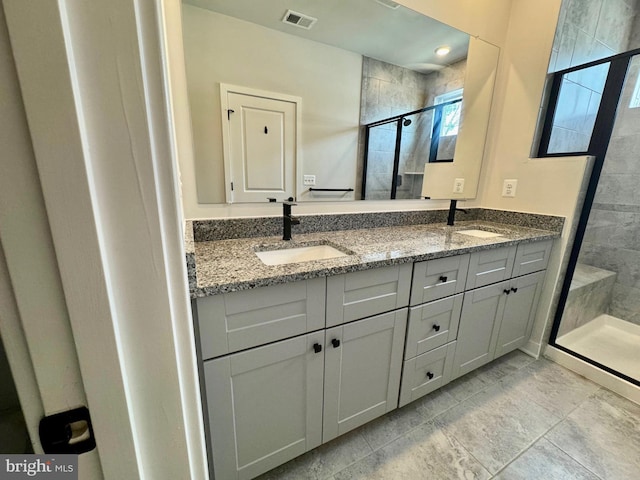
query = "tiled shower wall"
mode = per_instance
[
  {"x": 611, "y": 239},
  {"x": 587, "y": 30},
  {"x": 389, "y": 90}
]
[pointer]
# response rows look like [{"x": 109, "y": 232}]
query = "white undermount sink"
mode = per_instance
[
  {"x": 479, "y": 233},
  {"x": 299, "y": 254}
]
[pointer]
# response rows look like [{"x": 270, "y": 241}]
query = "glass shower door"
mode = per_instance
[{"x": 600, "y": 321}]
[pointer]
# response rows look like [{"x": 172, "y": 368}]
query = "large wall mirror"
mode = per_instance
[{"x": 280, "y": 92}]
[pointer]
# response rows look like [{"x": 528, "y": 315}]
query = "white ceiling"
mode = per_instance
[{"x": 399, "y": 36}]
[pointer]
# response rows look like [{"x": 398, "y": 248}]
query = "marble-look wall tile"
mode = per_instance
[
  {"x": 625, "y": 262},
  {"x": 614, "y": 24},
  {"x": 585, "y": 14},
  {"x": 567, "y": 36},
  {"x": 583, "y": 305},
  {"x": 587, "y": 50},
  {"x": 621, "y": 154},
  {"x": 608, "y": 227},
  {"x": 625, "y": 303},
  {"x": 619, "y": 188},
  {"x": 564, "y": 140},
  {"x": 573, "y": 102}
]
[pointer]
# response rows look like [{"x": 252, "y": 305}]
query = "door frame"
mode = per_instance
[
  {"x": 94, "y": 82},
  {"x": 225, "y": 90}
]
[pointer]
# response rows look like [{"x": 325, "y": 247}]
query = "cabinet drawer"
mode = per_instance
[
  {"x": 432, "y": 325},
  {"x": 361, "y": 294},
  {"x": 490, "y": 266},
  {"x": 425, "y": 373},
  {"x": 238, "y": 320},
  {"x": 438, "y": 278},
  {"x": 532, "y": 257}
]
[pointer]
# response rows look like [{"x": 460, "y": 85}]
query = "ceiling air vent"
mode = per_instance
[{"x": 299, "y": 19}]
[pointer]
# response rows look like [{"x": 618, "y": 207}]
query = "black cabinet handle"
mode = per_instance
[
  {"x": 317, "y": 347},
  {"x": 514, "y": 290},
  {"x": 335, "y": 342},
  {"x": 443, "y": 278},
  {"x": 507, "y": 291},
  {"x": 436, "y": 328},
  {"x": 429, "y": 375}
]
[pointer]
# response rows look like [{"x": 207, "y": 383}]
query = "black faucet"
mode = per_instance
[
  {"x": 288, "y": 220},
  {"x": 452, "y": 212}
]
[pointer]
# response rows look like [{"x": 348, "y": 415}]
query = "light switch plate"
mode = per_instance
[
  {"x": 309, "y": 180},
  {"x": 509, "y": 187},
  {"x": 458, "y": 185}
]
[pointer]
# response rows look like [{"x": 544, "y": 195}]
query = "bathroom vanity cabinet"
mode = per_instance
[{"x": 288, "y": 367}]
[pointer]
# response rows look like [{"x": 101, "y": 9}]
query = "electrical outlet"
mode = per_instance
[
  {"x": 509, "y": 187},
  {"x": 309, "y": 180},
  {"x": 458, "y": 185}
]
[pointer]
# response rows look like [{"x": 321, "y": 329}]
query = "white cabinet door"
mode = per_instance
[
  {"x": 362, "y": 371},
  {"x": 519, "y": 311},
  {"x": 264, "y": 405},
  {"x": 478, "y": 331}
]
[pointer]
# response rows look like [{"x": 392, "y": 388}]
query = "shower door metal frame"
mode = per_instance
[
  {"x": 598, "y": 145},
  {"x": 399, "y": 119}
]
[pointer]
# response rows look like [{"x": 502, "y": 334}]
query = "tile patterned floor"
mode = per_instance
[{"x": 517, "y": 418}]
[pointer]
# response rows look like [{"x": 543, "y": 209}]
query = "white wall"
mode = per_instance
[
  {"x": 222, "y": 49},
  {"x": 551, "y": 185}
]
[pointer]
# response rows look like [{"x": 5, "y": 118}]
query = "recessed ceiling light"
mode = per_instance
[{"x": 443, "y": 50}]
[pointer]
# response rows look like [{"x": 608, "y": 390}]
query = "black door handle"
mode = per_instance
[
  {"x": 335, "y": 342},
  {"x": 429, "y": 375},
  {"x": 436, "y": 328},
  {"x": 514, "y": 290},
  {"x": 317, "y": 347},
  {"x": 443, "y": 278},
  {"x": 507, "y": 291}
]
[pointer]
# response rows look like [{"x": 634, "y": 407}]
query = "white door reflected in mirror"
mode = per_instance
[{"x": 259, "y": 140}]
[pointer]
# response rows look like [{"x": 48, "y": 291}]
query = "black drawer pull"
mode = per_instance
[
  {"x": 335, "y": 342},
  {"x": 430, "y": 375},
  {"x": 436, "y": 328},
  {"x": 507, "y": 291},
  {"x": 514, "y": 290},
  {"x": 317, "y": 347},
  {"x": 443, "y": 278}
]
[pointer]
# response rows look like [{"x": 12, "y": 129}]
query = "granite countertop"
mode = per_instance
[{"x": 230, "y": 265}]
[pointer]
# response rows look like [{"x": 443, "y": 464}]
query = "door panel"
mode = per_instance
[
  {"x": 262, "y": 147},
  {"x": 520, "y": 309},
  {"x": 478, "y": 332},
  {"x": 264, "y": 405},
  {"x": 362, "y": 373}
]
